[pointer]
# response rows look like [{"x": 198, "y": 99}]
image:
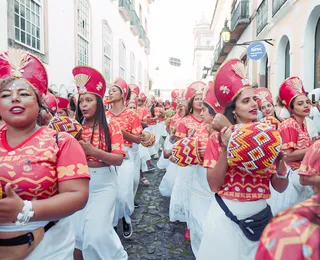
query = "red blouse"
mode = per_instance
[
  {"x": 37, "y": 165},
  {"x": 143, "y": 114},
  {"x": 98, "y": 139},
  {"x": 128, "y": 121},
  {"x": 293, "y": 234},
  {"x": 238, "y": 185},
  {"x": 294, "y": 137},
  {"x": 174, "y": 121},
  {"x": 158, "y": 111},
  {"x": 188, "y": 126},
  {"x": 310, "y": 164}
]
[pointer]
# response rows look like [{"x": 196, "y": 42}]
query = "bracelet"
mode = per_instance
[
  {"x": 286, "y": 176},
  {"x": 26, "y": 213}
]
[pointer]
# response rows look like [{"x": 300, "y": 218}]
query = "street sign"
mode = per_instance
[{"x": 256, "y": 51}]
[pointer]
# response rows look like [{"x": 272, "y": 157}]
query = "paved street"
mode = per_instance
[{"x": 155, "y": 237}]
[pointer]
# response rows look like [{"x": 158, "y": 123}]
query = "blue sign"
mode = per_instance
[{"x": 256, "y": 51}]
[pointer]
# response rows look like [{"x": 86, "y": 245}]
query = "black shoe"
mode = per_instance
[
  {"x": 136, "y": 204},
  {"x": 115, "y": 229},
  {"x": 127, "y": 229}
]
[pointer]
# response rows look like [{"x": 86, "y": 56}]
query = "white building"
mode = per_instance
[
  {"x": 293, "y": 27},
  {"x": 109, "y": 35},
  {"x": 203, "y": 47}
]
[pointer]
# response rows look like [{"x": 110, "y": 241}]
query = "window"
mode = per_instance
[
  {"x": 28, "y": 23},
  {"x": 132, "y": 68},
  {"x": 107, "y": 51},
  {"x": 83, "y": 32},
  {"x": 287, "y": 61},
  {"x": 122, "y": 60},
  {"x": 316, "y": 55},
  {"x": 140, "y": 75}
]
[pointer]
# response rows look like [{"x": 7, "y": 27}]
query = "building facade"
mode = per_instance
[
  {"x": 109, "y": 35},
  {"x": 293, "y": 28},
  {"x": 203, "y": 47}
]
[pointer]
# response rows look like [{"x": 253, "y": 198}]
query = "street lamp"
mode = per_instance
[
  {"x": 226, "y": 34},
  {"x": 205, "y": 72}
]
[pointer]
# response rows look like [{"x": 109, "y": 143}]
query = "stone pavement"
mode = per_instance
[{"x": 155, "y": 237}]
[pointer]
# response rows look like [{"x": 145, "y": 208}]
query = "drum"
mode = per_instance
[
  {"x": 185, "y": 152},
  {"x": 253, "y": 147},
  {"x": 271, "y": 120},
  {"x": 149, "y": 139},
  {"x": 66, "y": 124}
]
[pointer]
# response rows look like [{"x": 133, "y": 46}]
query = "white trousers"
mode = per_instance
[
  {"x": 57, "y": 243},
  {"x": 136, "y": 173},
  {"x": 93, "y": 227},
  {"x": 125, "y": 195}
]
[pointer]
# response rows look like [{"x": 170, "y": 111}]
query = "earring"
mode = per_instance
[{"x": 234, "y": 115}]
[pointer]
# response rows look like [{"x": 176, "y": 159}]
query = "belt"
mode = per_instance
[{"x": 26, "y": 238}]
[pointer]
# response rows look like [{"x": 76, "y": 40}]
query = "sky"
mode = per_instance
[{"x": 171, "y": 25}]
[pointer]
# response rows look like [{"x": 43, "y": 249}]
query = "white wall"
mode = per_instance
[
  {"x": 3, "y": 26},
  {"x": 61, "y": 37}
]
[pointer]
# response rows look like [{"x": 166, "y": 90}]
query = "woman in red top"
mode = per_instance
[
  {"x": 102, "y": 142},
  {"x": 131, "y": 129},
  {"x": 190, "y": 126},
  {"x": 63, "y": 104},
  {"x": 295, "y": 232},
  {"x": 244, "y": 194},
  {"x": 295, "y": 141},
  {"x": 39, "y": 182}
]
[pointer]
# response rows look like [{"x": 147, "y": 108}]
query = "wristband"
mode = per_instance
[
  {"x": 26, "y": 213},
  {"x": 285, "y": 176}
]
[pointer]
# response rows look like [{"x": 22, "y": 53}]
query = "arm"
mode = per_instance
[
  {"x": 293, "y": 156},
  {"x": 130, "y": 137},
  {"x": 310, "y": 180},
  {"x": 279, "y": 185},
  {"x": 109, "y": 158},
  {"x": 216, "y": 175},
  {"x": 73, "y": 195},
  {"x": 279, "y": 181}
]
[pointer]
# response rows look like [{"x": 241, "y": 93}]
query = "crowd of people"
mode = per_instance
[{"x": 241, "y": 171}]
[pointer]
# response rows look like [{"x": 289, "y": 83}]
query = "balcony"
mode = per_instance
[
  {"x": 220, "y": 54},
  {"x": 240, "y": 18},
  {"x": 125, "y": 9},
  {"x": 134, "y": 23},
  {"x": 276, "y": 6},
  {"x": 142, "y": 37},
  {"x": 262, "y": 16},
  {"x": 147, "y": 46}
]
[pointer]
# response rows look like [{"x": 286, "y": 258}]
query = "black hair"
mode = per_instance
[
  {"x": 100, "y": 118},
  {"x": 129, "y": 93},
  {"x": 67, "y": 112},
  {"x": 189, "y": 110},
  {"x": 152, "y": 110},
  {"x": 231, "y": 106},
  {"x": 72, "y": 104},
  {"x": 210, "y": 109},
  {"x": 291, "y": 105}
]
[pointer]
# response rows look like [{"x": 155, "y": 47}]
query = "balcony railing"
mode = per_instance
[
  {"x": 217, "y": 53},
  {"x": 134, "y": 22},
  {"x": 125, "y": 8},
  {"x": 142, "y": 36},
  {"x": 262, "y": 16},
  {"x": 241, "y": 12},
  {"x": 276, "y": 6},
  {"x": 147, "y": 46}
]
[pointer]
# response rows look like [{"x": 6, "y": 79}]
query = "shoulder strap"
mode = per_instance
[
  {"x": 226, "y": 210},
  {"x": 57, "y": 138}
]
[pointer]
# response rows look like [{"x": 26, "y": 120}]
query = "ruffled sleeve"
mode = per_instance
[{"x": 212, "y": 152}]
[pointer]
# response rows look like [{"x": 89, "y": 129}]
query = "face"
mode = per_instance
[
  {"x": 267, "y": 108},
  {"x": 197, "y": 102},
  {"x": 140, "y": 102},
  {"x": 115, "y": 94},
  {"x": 246, "y": 106},
  {"x": 301, "y": 106},
  {"x": 207, "y": 117},
  {"x": 88, "y": 105},
  {"x": 45, "y": 117},
  {"x": 18, "y": 104},
  {"x": 61, "y": 112},
  {"x": 132, "y": 106}
]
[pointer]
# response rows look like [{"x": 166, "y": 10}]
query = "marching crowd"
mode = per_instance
[{"x": 241, "y": 171}]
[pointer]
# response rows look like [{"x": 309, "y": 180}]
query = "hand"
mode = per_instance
[
  {"x": 282, "y": 169},
  {"x": 219, "y": 122},
  {"x": 11, "y": 206},
  {"x": 225, "y": 135},
  {"x": 86, "y": 146},
  {"x": 143, "y": 138}
]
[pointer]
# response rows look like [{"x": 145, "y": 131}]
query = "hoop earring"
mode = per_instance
[{"x": 234, "y": 115}]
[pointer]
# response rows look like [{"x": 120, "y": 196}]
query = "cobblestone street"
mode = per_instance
[{"x": 155, "y": 237}]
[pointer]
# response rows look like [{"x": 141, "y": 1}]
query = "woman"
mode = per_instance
[
  {"x": 102, "y": 142},
  {"x": 295, "y": 140},
  {"x": 265, "y": 103},
  {"x": 63, "y": 105},
  {"x": 44, "y": 184},
  {"x": 152, "y": 126},
  {"x": 49, "y": 110},
  {"x": 201, "y": 195},
  {"x": 243, "y": 193},
  {"x": 168, "y": 180},
  {"x": 131, "y": 129},
  {"x": 189, "y": 126},
  {"x": 295, "y": 232}
]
